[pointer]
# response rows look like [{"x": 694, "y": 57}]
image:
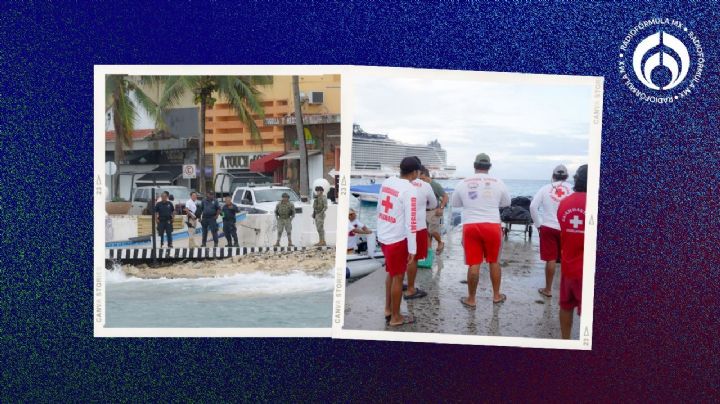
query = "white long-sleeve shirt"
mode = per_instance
[
  {"x": 481, "y": 196},
  {"x": 426, "y": 200},
  {"x": 544, "y": 205},
  {"x": 397, "y": 211}
]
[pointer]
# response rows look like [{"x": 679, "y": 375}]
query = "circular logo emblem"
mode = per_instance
[{"x": 661, "y": 60}]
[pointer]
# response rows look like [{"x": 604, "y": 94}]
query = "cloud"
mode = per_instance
[{"x": 526, "y": 128}]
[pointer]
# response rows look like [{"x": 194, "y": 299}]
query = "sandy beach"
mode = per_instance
[
  {"x": 526, "y": 313},
  {"x": 312, "y": 262}
]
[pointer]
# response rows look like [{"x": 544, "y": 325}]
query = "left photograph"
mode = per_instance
[{"x": 219, "y": 199}]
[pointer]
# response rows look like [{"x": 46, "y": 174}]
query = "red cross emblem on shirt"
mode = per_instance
[
  {"x": 387, "y": 204},
  {"x": 559, "y": 192}
]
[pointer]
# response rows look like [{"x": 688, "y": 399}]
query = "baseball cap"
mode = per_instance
[
  {"x": 410, "y": 164},
  {"x": 560, "y": 170},
  {"x": 482, "y": 158}
]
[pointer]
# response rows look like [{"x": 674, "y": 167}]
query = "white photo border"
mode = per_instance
[
  {"x": 586, "y": 320},
  {"x": 98, "y": 186}
]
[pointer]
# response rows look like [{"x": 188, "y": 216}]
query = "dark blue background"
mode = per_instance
[{"x": 656, "y": 290}]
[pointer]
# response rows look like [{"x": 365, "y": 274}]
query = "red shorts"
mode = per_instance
[
  {"x": 549, "y": 243},
  {"x": 422, "y": 244},
  {"x": 481, "y": 240},
  {"x": 396, "y": 257},
  {"x": 570, "y": 293}
]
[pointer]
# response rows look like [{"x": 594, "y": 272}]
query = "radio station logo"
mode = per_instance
[{"x": 661, "y": 60}]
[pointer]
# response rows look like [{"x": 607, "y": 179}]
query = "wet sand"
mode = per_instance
[
  {"x": 312, "y": 261},
  {"x": 526, "y": 313}
]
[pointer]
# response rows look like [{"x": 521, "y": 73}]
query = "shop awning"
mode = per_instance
[
  {"x": 266, "y": 163},
  {"x": 296, "y": 155}
]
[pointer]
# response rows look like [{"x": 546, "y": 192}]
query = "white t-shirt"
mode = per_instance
[
  {"x": 352, "y": 237},
  {"x": 426, "y": 200},
  {"x": 397, "y": 213},
  {"x": 481, "y": 196},
  {"x": 190, "y": 205},
  {"x": 544, "y": 205}
]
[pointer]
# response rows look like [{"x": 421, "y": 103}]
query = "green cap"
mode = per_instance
[{"x": 482, "y": 158}]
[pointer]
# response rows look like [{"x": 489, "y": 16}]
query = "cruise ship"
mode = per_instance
[{"x": 378, "y": 156}]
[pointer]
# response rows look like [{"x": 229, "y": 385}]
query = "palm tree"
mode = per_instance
[
  {"x": 303, "y": 177},
  {"x": 121, "y": 95},
  {"x": 239, "y": 91}
]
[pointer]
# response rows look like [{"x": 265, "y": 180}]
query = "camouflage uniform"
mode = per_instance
[
  {"x": 319, "y": 207},
  {"x": 284, "y": 212}
]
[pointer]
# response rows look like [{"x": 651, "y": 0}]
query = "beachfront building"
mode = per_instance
[
  {"x": 376, "y": 155},
  {"x": 275, "y": 158}
]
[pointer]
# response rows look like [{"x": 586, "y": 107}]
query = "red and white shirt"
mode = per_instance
[
  {"x": 397, "y": 211},
  {"x": 426, "y": 200},
  {"x": 571, "y": 216},
  {"x": 481, "y": 196},
  {"x": 544, "y": 205}
]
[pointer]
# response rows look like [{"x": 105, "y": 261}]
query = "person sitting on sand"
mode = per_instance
[
  {"x": 396, "y": 228},
  {"x": 571, "y": 216},
  {"x": 543, "y": 209},
  {"x": 435, "y": 217},
  {"x": 481, "y": 195},
  {"x": 284, "y": 213},
  {"x": 355, "y": 227},
  {"x": 426, "y": 201}
]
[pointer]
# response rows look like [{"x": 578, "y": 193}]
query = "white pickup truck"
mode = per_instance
[{"x": 263, "y": 199}]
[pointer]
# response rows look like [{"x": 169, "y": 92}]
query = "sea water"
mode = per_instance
[{"x": 294, "y": 300}]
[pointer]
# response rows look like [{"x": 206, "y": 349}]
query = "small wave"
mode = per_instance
[{"x": 248, "y": 284}]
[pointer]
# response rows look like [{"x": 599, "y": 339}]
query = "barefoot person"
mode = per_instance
[
  {"x": 571, "y": 216},
  {"x": 481, "y": 196},
  {"x": 396, "y": 228},
  {"x": 355, "y": 227},
  {"x": 319, "y": 207},
  {"x": 426, "y": 204},
  {"x": 434, "y": 218},
  {"x": 543, "y": 209}
]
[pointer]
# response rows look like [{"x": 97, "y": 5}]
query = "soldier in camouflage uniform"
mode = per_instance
[
  {"x": 284, "y": 213},
  {"x": 320, "y": 205}
]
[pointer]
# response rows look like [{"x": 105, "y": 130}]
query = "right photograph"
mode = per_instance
[{"x": 468, "y": 205}]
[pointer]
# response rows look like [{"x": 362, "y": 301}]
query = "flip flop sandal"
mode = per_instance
[
  {"x": 407, "y": 319},
  {"x": 542, "y": 292},
  {"x": 502, "y": 299},
  {"x": 418, "y": 294},
  {"x": 464, "y": 303}
]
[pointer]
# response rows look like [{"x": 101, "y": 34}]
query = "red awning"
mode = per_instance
[{"x": 266, "y": 163}]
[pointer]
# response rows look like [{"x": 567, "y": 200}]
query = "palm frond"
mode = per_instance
[{"x": 245, "y": 100}]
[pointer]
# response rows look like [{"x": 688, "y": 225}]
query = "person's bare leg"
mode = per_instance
[
  {"x": 473, "y": 277},
  {"x": 549, "y": 275},
  {"x": 495, "y": 278},
  {"x": 411, "y": 275},
  {"x": 395, "y": 299},
  {"x": 388, "y": 287},
  {"x": 566, "y": 320}
]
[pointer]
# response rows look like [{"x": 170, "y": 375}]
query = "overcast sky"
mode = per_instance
[{"x": 527, "y": 129}]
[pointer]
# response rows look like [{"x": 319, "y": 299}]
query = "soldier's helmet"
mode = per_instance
[{"x": 285, "y": 195}]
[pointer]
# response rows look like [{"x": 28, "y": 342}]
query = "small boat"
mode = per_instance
[
  {"x": 359, "y": 265},
  {"x": 366, "y": 193}
]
